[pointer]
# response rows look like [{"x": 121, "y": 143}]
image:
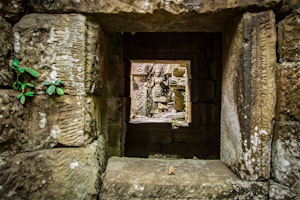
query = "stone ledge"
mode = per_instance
[{"x": 136, "y": 178}]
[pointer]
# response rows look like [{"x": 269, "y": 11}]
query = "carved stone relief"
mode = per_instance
[{"x": 158, "y": 92}]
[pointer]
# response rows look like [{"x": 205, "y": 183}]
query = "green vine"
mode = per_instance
[{"x": 18, "y": 85}]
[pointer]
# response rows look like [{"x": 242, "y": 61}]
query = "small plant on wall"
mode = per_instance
[
  {"x": 54, "y": 87},
  {"x": 18, "y": 85}
]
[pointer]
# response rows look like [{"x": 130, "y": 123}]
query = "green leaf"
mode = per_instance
[
  {"x": 29, "y": 84},
  {"x": 31, "y": 71},
  {"x": 30, "y": 94},
  {"x": 20, "y": 95},
  {"x": 20, "y": 83},
  {"x": 15, "y": 68},
  {"x": 58, "y": 81},
  {"x": 22, "y": 99},
  {"x": 50, "y": 90},
  {"x": 21, "y": 70},
  {"x": 14, "y": 85},
  {"x": 15, "y": 63},
  {"x": 60, "y": 91},
  {"x": 23, "y": 86},
  {"x": 47, "y": 83}
]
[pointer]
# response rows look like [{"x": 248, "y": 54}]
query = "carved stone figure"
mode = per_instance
[{"x": 157, "y": 84}]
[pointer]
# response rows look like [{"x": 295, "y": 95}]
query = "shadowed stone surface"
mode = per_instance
[
  {"x": 288, "y": 37},
  {"x": 286, "y": 155},
  {"x": 13, "y": 9},
  {"x": 249, "y": 95},
  {"x": 6, "y": 72},
  {"x": 62, "y": 173},
  {"x": 278, "y": 192},
  {"x": 12, "y": 122},
  {"x": 157, "y": 15},
  {"x": 135, "y": 178},
  {"x": 68, "y": 47},
  {"x": 288, "y": 6},
  {"x": 288, "y": 94}
]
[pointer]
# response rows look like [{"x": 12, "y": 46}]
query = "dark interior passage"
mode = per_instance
[{"x": 202, "y": 137}]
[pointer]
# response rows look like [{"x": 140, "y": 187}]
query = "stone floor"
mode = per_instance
[{"x": 137, "y": 178}]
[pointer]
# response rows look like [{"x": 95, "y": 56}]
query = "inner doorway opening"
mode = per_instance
[{"x": 200, "y": 138}]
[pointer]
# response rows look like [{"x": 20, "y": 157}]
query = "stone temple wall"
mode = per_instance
[
  {"x": 56, "y": 147},
  {"x": 286, "y": 142}
]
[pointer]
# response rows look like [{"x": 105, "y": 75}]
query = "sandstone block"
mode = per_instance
[
  {"x": 288, "y": 37},
  {"x": 249, "y": 95},
  {"x": 280, "y": 192},
  {"x": 68, "y": 120},
  {"x": 123, "y": 138},
  {"x": 6, "y": 72},
  {"x": 138, "y": 94},
  {"x": 12, "y": 122},
  {"x": 62, "y": 173},
  {"x": 202, "y": 71},
  {"x": 200, "y": 149},
  {"x": 157, "y": 16},
  {"x": 113, "y": 58},
  {"x": 115, "y": 81},
  {"x": 203, "y": 134},
  {"x": 114, "y": 133},
  {"x": 141, "y": 150},
  {"x": 140, "y": 68},
  {"x": 45, "y": 122},
  {"x": 288, "y": 94},
  {"x": 115, "y": 110},
  {"x": 113, "y": 87},
  {"x": 149, "y": 134},
  {"x": 68, "y": 47},
  {"x": 286, "y": 155},
  {"x": 207, "y": 113},
  {"x": 13, "y": 9},
  {"x": 204, "y": 90},
  {"x": 216, "y": 64},
  {"x": 136, "y": 178},
  {"x": 117, "y": 6},
  {"x": 287, "y": 7},
  {"x": 114, "y": 69}
]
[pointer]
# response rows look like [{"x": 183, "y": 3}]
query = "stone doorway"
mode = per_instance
[{"x": 199, "y": 135}]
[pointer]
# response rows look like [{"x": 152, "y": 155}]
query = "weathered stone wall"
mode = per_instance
[
  {"x": 202, "y": 137},
  {"x": 249, "y": 95},
  {"x": 34, "y": 162},
  {"x": 286, "y": 142},
  {"x": 116, "y": 100},
  {"x": 33, "y": 136},
  {"x": 6, "y": 73}
]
